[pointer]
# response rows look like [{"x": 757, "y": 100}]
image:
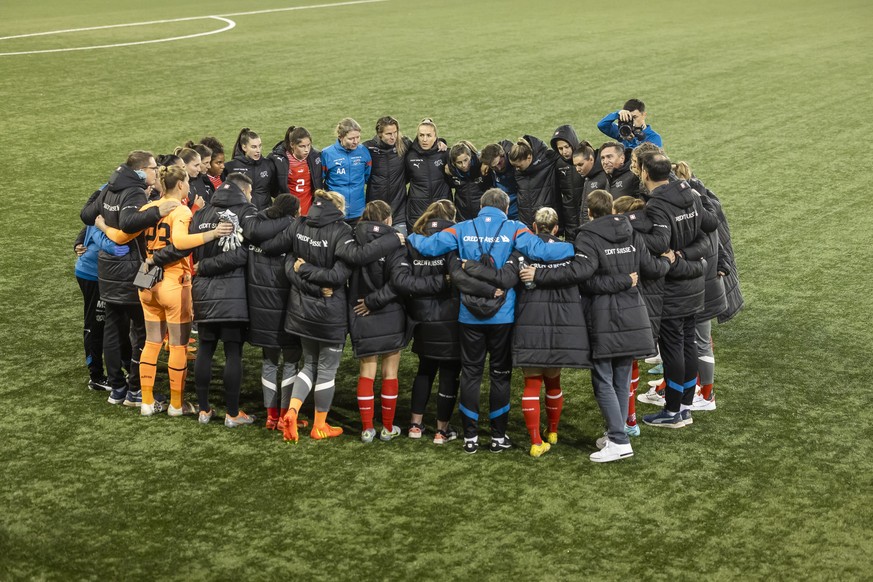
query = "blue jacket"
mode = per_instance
[
  {"x": 95, "y": 241},
  {"x": 512, "y": 235},
  {"x": 347, "y": 172},
  {"x": 609, "y": 126}
]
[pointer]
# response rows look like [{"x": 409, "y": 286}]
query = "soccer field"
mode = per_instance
[{"x": 765, "y": 100}]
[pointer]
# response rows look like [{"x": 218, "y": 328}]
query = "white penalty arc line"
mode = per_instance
[{"x": 230, "y": 25}]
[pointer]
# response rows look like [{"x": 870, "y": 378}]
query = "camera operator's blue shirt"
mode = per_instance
[
  {"x": 609, "y": 126},
  {"x": 494, "y": 231}
]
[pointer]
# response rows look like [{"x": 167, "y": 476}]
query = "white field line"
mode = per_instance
[{"x": 231, "y": 24}]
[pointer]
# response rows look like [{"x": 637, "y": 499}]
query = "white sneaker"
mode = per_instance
[
  {"x": 654, "y": 360},
  {"x": 701, "y": 403},
  {"x": 151, "y": 409},
  {"x": 612, "y": 452},
  {"x": 652, "y": 397},
  {"x": 655, "y": 383},
  {"x": 187, "y": 408},
  {"x": 601, "y": 442}
]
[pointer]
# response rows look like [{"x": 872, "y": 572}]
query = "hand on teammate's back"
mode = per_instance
[{"x": 167, "y": 206}]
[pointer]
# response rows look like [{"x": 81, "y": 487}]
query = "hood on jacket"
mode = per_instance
[
  {"x": 677, "y": 193},
  {"x": 279, "y": 148},
  {"x": 566, "y": 133},
  {"x": 435, "y": 226},
  {"x": 614, "y": 228},
  {"x": 367, "y": 230},
  {"x": 541, "y": 156},
  {"x": 228, "y": 195},
  {"x": 323, "y": 212},
  {"x": 123, "y": 178}
]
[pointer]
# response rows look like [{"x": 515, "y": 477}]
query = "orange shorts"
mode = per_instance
[{"x": 169, "y": 300}]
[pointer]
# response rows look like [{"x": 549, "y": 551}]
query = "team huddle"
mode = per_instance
[{"x": 532, "y": 255}]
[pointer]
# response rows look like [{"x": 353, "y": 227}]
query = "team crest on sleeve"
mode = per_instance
[
  {"x": 433, "y": 224},
  {"x": 376, "y": 228},
  {"x": 487, "y": 219}
]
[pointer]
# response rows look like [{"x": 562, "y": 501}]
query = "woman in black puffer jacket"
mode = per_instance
[
  {"x": 320, "y": 251},
  {"x": 267, "y": 289},
  {"x": 248, "y": 159},
  {"x": 465, "y": 176},
  {"x": 219, "y": 290},
  {"x": 377, "y": 324},
  {"x": 424, "y": 169}
]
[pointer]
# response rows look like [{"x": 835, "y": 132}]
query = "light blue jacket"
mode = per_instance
[{"x": 506, "y": 236}]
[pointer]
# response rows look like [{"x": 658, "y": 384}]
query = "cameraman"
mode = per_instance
[{"x": 628, "y": 125}]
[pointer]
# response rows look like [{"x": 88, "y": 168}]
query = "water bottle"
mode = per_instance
[{"x": 527, "y": 284}]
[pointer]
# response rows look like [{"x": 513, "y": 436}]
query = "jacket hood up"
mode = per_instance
[{"x": 566, "y": 133}]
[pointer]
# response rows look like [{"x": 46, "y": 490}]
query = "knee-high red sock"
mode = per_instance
[
  {"x": 530, "y": 407},
  {"x": 554, "y": 402},
  {"x": 148, "y": 363},
  {"x": 390, "y": 389},
  {"x": 632, "y": 401},
  {"x": 365, "y": 401},
  {"x": 706, "y": 391}
]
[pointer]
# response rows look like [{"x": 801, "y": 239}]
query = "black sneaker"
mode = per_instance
[
  {"x": 471, "y": 446},
  {"x": 498, "y": 446},
  {"x": 99, "y": 384}
]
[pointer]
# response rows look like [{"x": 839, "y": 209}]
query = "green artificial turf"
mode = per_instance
[{"x": 765, "y": 100}]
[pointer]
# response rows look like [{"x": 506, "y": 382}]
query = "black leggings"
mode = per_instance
[
  {"x": 232, "y": 373},
  {"x": 450, "y": 372}
]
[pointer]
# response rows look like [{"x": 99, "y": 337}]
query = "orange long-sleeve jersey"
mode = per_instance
[{"x": 173, "y": 228}]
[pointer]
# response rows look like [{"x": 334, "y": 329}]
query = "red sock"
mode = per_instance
[
  {"x": 554, "y": 402},
  {"x": 660, "y": 388},
  {"x": 365, "y": 402},
  {"x": 283, "y": 412},
  {"x": 530, "y": 407},
  {"x": 390, "y": 388},
  {"x": 632, "y": 401},
  {"x": 273, "y": 414},
  {"x": 706, "y": 391}
]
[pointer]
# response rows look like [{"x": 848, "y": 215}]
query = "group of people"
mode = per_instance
[{"x": 534, "y": 256}]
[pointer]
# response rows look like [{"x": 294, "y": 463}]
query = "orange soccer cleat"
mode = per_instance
[{"x": 325, "y": 431}]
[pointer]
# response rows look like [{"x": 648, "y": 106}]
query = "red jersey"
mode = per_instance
[
  {"x": 216, "y": 180},
  {"x": 300, "y": 182}
]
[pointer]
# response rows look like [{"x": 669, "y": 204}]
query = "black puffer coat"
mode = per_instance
[
  {"x": 550, "y": 328},
  {"x": 200, "y": 186},
  {"x": 384, "y": 330},
  {"x": 681, "y": 223},
  {"x": 219, "y": 287},
  {"x": 325, "y": 242},
  {"x": 617, "y": 318},
  {"x": 267, "y": 289},
  {"x": 571, "y": 186},
  {"x": 469, "y": 187},
  {"x": 119, "y": 204},
  {"x": 652, "y": 289},
  {"x": 537, "y": 184},
  {"x": 431, "y": 301},
  {"x": 388, "y": 176},
  {"x": 427, "y": 180},
  {"x": 263, "y": 175},
  {"x": 623, "y": 182},
  {"x": 279, "y": 158}
]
